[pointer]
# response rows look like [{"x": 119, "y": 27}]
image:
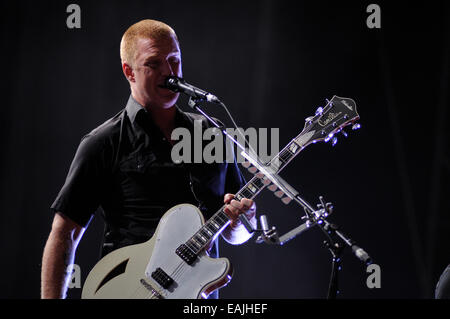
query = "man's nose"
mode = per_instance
[{"x": 167, "y": 69}]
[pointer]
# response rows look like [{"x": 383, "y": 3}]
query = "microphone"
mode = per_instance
[
  {"x": 362, "y": 255},
  {"x": 177, "y": 84}
]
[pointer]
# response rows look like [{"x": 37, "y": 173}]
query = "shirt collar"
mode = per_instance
[{"x": 133, "y": 108}]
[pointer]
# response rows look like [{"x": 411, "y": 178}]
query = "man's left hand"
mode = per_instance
[{"x": 234, "y": 208}]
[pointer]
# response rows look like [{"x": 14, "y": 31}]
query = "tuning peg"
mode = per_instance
[
  {"x": 356, "y": 126},
  {"x": 319, "y": 110},
  {"x": 322, "y": 202},
  {"x": 309, "y": 119},
  {"x": 329, "y": 137},
  {"x": 344, "y": 133},
  {"x": 266, "y": 181},
  {"x": 272, "y": 187},
  {"x": 334, "y": 141},
  {"x": 286, "y": 200},
  {"x": 329, "y": 208}
]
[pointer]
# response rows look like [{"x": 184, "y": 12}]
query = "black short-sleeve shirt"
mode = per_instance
[{"x": 125, "y": 166}]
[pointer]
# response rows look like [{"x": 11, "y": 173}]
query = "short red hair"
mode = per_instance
[{"x": 147, "y": 29}]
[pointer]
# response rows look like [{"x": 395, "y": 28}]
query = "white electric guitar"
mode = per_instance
[{"x": 174, "y": 263}]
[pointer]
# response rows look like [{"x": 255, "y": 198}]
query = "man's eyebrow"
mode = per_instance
[
  {"x": 156, "y": 56},
  {"x": 151, "y": 58}
]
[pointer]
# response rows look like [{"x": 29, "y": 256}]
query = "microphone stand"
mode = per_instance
[
  {"x": 335, "y": 247},
  {"x": 336, "y": 250},
  {"x": 313, "y": 217},
  {"x": 193, "y": 103}
]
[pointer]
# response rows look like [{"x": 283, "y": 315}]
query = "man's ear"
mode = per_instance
[{"x": 128, "y": 72}]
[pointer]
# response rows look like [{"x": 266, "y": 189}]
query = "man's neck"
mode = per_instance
[{"x": 164, "y": 118}]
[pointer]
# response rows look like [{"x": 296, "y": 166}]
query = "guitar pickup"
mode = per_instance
[
  {"x": 162, "y": 278},
  {"x": 185, "y": 253}
]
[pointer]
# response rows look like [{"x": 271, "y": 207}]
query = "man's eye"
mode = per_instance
[{"x": 152, "y": 65}]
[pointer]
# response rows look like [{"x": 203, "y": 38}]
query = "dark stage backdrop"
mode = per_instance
[{"x": 273, "y": 63}]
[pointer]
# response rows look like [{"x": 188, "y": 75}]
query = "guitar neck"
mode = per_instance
[{"x": 217, "y": 223}]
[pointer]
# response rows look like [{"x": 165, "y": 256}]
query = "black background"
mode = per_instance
[{"x": 273, "y": 63}]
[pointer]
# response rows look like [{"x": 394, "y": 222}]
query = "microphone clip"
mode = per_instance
[{"x": 177, "y": 84}]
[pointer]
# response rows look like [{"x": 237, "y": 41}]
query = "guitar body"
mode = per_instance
[{"x": 127, "y": 272}]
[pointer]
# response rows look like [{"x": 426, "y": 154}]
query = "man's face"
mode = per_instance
[{"x": 155, "y": 60}]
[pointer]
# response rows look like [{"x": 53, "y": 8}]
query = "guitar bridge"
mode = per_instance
[
  {"x": 151, "y": 289},
  {"x": 185, "y": 253}
]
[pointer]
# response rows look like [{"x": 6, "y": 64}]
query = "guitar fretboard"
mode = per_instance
[{"x": 220, "y": 219}]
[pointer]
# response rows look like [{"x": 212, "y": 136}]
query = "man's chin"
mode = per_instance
[
  {"x": 171, "y": 97},
  {"x": 168, "y": 101}
]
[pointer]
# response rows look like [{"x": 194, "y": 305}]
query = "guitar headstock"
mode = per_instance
[{"x": 328, "y": 121}]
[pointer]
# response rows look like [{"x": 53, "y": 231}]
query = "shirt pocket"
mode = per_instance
[{"x": 138, "y": 164}]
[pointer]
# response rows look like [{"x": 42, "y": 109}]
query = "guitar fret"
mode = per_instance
[
  {"x": 222, "y": 219},
  {"x": 210, "y": 227},
  {"x": 224, "y": 216},
  {"x": 196, "y": 243},
  {"x": 190, "y": 246},
  {"x": 218, "y": 222},
  {"x": 238, "y": 196},
  {"x": 202, "y": 240},
  {"x": 286, "y": 156},
  {"x": 205, "y": 234},
  {"x": 252, "y": 188},
  {"x": 293, "y": 147},
  {"x": 206, "y": 229},
  {"x": 247, "y": 193},
  {"x": 215, "y": 225},
  {"x": 285, "y": 153},
  {"x": 258, "y": 183}
]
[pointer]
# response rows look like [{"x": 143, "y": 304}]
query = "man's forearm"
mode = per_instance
[{"x": 56, "y": 266}]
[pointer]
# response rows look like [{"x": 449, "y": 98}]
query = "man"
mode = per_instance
[{"x": 124, "y": 165}]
